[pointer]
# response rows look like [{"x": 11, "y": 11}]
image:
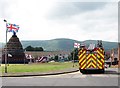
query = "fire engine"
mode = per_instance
[{"x": 91, "y": 59}]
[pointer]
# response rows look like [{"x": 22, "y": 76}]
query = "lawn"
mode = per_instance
[{"x": 39, "y": 67}]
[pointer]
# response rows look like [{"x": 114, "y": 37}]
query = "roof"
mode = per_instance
[{"x": 47, "y": 53}]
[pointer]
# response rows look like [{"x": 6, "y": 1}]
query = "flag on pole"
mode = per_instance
[
  {"x": 12, "y": 27},
  {"x": 76, "y": 45}
]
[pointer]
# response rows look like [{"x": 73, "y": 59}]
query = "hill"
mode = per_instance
[
  {"x": 52, "y": 45},
  {"x": 107, "y": 45},
  {"x": 62, "y": 44}
]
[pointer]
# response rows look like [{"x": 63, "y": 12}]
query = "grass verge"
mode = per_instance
[{"x": 39, "y": 67}]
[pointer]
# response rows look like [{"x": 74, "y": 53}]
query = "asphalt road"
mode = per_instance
[{"x": 110, "y": 78}]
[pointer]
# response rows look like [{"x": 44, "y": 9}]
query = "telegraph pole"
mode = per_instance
[{"x": 6, "y": 49}]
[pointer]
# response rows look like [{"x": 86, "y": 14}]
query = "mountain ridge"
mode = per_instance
[{"x": 64, "y": 44}]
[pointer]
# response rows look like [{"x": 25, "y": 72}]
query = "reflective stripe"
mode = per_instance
[
  {"x": 84, "y": 66},
  {"x": 82, "y": 58},
  {"x": 83, "y": 62},
  {"x": 88, "y": 66},
  {"x": 100, "y": 60},
  {"x": 94, "y": 65},
  {"x": 100, "y": 54}
]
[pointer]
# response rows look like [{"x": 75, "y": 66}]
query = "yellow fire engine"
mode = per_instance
[{"x": 91, "y": 59}]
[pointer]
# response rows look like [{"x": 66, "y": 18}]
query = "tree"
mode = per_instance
[
  {"x": 38, "y": 49},
  {"x": 30, "y": 48}
]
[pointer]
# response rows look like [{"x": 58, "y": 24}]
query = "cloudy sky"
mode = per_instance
[{"x": 50, "y": 19}]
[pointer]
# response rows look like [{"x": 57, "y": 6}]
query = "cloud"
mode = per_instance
[
  {"x": 67, "y": 9},
  {"x": 100, "y": 23},
  {"x": 3, "y": 7},
  {"x": 48, "y": 19}
]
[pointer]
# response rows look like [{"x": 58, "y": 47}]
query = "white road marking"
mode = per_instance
[
  {"x": 73, "y": 75},
  {"x": 104, "y": 75},
  {"x": 100, "y": 75}
]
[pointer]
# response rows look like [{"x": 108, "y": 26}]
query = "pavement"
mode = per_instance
[{"x": 70, "y": 70}]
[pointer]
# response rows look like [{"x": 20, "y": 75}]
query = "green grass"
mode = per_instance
[{"x": 40, "y": 67}]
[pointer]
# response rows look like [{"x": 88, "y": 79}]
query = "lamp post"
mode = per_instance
[{"x": 6, "y": 49}]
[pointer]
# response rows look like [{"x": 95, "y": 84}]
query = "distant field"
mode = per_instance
[{"x": 40, "y": 67}]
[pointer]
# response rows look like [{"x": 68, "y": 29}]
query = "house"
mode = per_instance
[{"x": 48, "y": 54}]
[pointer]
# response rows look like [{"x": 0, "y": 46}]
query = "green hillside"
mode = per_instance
[
  {"x": 52, "y": 45},
  {"x": 106, "y": 45},
  {"x": 62, "y": 44}
]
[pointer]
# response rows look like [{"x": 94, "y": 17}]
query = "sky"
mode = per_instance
[{"x": 51, "y": 19}]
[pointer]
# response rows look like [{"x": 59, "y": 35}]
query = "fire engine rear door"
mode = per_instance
[{"x": 91, "y": 60}]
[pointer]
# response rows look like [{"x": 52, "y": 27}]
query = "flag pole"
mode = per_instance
[
  {"x": 6, "y": 50},
  {"x": 73, "y": 58},
  {"x": 73, "y": 54}
]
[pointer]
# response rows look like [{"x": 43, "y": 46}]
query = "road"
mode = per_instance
[{"x": 110, "y": 78}]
